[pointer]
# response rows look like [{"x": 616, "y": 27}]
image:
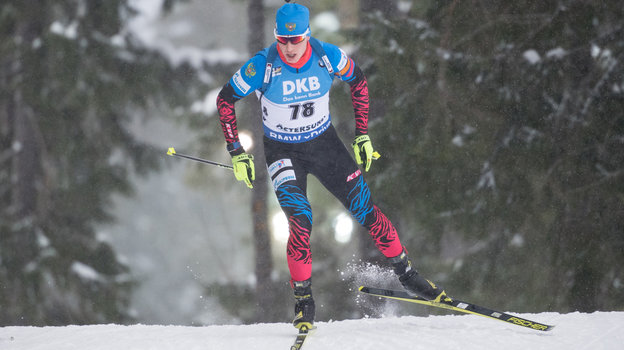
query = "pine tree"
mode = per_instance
[
  {"x": 72, "y": 77},
  {"x": 504, "y": 125}
]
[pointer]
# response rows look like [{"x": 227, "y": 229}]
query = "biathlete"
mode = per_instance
[{"x": 292, "y": 79}]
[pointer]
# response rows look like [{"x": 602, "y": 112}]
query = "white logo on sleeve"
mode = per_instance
[{"x": 240, "y": 83}]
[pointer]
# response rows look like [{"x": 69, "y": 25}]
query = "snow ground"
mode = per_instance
[{"x": 599, "y": 330}]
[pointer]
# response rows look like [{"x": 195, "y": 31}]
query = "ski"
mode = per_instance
[
  {"x": 301, "y": 337},
  {"x": 457, "y": 305}
]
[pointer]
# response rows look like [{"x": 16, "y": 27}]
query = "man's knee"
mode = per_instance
[{"x": 294, "y": 202}]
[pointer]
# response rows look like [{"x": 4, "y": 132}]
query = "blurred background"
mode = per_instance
[{"x": 501, "y": 129}]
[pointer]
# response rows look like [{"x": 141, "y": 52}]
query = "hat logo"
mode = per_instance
[{"x": 290, "y": 26}]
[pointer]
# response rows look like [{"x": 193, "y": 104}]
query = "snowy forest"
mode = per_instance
[{"x": 500, "y": 126}]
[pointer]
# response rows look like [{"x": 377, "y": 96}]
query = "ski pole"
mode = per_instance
[{"x": 172, "y": 152}]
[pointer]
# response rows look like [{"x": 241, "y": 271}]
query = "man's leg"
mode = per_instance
[
  {"x": 359, "y": 203},
  {"x": 387, "y": 241},
  {"x": 342, "y": 177},
  {"x": 299, "y": 213},
  {"x": 295, "y": 205}
]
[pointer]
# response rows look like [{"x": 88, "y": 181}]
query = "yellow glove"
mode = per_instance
[
  {"x": 363, "y": 150},
  {"x": 244, "y": 168}
]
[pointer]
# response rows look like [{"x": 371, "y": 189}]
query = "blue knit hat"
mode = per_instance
[{"x": 292, "y": 19}]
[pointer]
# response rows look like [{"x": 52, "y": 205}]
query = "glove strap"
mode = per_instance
[
  {"x": 360, "y": 139},
  {"x": 234, "y": 148}
]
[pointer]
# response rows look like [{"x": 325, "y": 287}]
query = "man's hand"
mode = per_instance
[
  {"x": 244, "y": 168},
  {"x": 363, "y": 150}
]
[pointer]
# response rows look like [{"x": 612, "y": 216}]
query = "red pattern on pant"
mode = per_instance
[
  {"x": 298, "y": 251},
  {"x": 384, "y": 234}
]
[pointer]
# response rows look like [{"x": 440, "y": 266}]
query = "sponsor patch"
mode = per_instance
[
  {"x": 281, "y": 171},
  {"x": 278, "y": 165},
  {"x": 343, "y": 61},
  {"x": 276, "y": 71},
  {"x": 354, "y": 175},
  {"x": 228, "y": 127},
  {"x": 240, "y": 83},
  {"x": 288, "y": 175}
]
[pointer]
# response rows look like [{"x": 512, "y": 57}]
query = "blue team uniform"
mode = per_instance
[
  {"x": 295, "y": 107},
  {"x": 300, "y": 140}
]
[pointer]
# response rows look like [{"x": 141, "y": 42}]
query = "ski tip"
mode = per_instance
[
  {"x": 541, "y": 327},
  {"x": 361, "y": 288},
  {"x": 171, "y": 151}
]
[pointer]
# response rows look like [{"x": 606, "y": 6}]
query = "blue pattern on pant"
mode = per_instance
[
  {"x": 359, "y": 200},
  {"x": 291, "y": 199}
]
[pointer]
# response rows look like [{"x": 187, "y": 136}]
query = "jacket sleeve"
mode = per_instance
[
  {"x": 346, "y": 70},
  {"x": 245, "y": 81},
  {"x": 360, "y": 101},
  {"x": 227, "y": 113}
]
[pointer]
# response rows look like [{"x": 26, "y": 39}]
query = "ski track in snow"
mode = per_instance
[{"x": 598, "y": 330}]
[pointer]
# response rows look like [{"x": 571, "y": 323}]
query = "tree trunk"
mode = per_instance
[
  {"x": 26, "y": 174},
  {"x": 265, "y": 300},
  {"x": 368, "y": 251}
]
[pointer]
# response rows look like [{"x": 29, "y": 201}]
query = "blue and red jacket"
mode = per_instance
[{"x": 295, "y": 104}]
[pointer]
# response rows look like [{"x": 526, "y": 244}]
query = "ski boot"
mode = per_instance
[
  {"x": 414, "y": 283},
  {"x": 304, "y": 306}
]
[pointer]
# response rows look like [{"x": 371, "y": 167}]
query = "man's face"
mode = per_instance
[{"x": 293, "y": 52}]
